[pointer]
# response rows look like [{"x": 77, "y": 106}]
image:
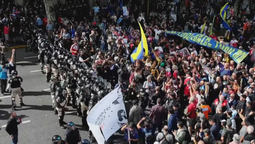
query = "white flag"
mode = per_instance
[{"x": 107, "y": 116}]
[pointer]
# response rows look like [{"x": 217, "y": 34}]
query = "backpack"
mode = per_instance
[
  {"x": 148, "y": 136},
  {"x": 188, "y": 137}
]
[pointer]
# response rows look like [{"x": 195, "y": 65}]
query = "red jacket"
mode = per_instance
[
  {"x": 6, "y": 30},
  {"x": 223, "y": 104},
  {"x": 45, "y": 21}
]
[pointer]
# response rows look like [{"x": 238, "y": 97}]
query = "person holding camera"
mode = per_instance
[
  {"x": 146, "y": 130},
  {"x": 12, "y": 127}
]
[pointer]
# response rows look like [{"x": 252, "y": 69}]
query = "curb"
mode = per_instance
[{"x": 17, "y": 47}]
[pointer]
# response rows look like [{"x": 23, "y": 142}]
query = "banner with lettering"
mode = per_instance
[
  {"x": 200, "y": 39},
  {"x": 107, "y": 116}
]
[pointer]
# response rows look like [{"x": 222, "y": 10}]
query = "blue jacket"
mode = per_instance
[
  {"x": 172, "y": 123},
  {"x": 3, "y": 73}
]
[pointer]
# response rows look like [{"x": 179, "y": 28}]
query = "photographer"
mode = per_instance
[{"x": 147, "y": 130}]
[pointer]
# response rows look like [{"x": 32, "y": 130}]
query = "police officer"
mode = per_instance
[
  {"x": 56, "y": 139},
  {"x": 47, "y": 65},
  {"x": 15, "y": 83},
  {"x": 143, "y": 98},
  {"x": 27, "y": 36},
  {"x": 84, "y": 111},
  {"x": 70, "y": 92},
  {"x": 72, "y": 134},
  {"x": 53, "y": 89},
  {"x": 41, "y": 56},
  {"x": 61, "y": 110}
]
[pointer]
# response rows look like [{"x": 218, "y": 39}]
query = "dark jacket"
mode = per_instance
[
  {"x": 12, "y": 126},
  {"x": 73, "y": 136},
  {"x": 158, "y": 114},
  {"x": 135, "y": 114}
]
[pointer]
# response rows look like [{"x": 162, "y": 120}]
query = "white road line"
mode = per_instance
[
  {"x": 34, "y": 71},
  {"x": 23, "y": 122},
  {"x": 70, "y": 112},
  {"x": 46, "y": 89},
  {"x": 30, "y": 57},
  {"x": 4, "y": 97},
  {"x": 21, "y": 62}
]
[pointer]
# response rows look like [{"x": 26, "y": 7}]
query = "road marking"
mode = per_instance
[
  {"x": 30, "y": 57},
  {"x": 46, "y": 89},
  {"x": 70, "y": 112},
  {"x": 4, "y": 97},
  {"x": 34, "y": 71},
  {"x": 22, "y": 62},
  {"x": 23, "y": 122}
]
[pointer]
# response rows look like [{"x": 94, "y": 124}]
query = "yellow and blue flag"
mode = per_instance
[
  {"x": 223, "y": 14},
  {"x": 142, "y": 49},
  {"x": 237, "y": 55}
]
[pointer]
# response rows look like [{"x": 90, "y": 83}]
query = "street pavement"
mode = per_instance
[{"x": 39, "y": 121}]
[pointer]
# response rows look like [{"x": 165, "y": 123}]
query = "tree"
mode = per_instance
[{"x": 49, "y": 8}]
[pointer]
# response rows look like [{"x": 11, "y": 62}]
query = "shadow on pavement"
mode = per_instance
[
  {"x": 26, "y": 64},
  {"x": 4, "y": 106},
  {"x": 22, "y": 116},
  {"x": 35, "y": 107},
  {"x": 35, "y": 93},
  {"x": 4, "y": 115}
]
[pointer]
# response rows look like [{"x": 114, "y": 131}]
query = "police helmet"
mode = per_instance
[
  {"x": 14, "y": 73},
  {"x": 70, "y": 124},
  {"x": 56, "y": 138},
  {"x": 85, "y": 141}
]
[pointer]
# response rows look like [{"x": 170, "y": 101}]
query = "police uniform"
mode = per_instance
[
  {"x": 70, "y": 93},
  {"x": 54, "y": 69},
  {"x": 53, "y": 88},
  {"x": 84, "y": 110},
  {"x": 61, "y": 112},
  {"x": 15, "y": 83},
  {"x": 47, "y": 68}
]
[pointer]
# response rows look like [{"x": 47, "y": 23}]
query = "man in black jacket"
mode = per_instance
[
  {"x": 12, "y": 127},
  {"x": 72, "y": 134}
]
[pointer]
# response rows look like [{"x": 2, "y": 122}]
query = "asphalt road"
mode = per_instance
[{"x": 39, "y": 121}]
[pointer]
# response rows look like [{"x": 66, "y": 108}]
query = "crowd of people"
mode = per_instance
[
  {"x": 192, "y": 91},
  {"x": 181, "y": 93}
]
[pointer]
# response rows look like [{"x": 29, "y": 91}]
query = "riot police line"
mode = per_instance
[{"x": 72, "y": 82}]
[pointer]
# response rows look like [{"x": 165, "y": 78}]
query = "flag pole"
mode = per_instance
[{"x": 129, "y": 137}]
